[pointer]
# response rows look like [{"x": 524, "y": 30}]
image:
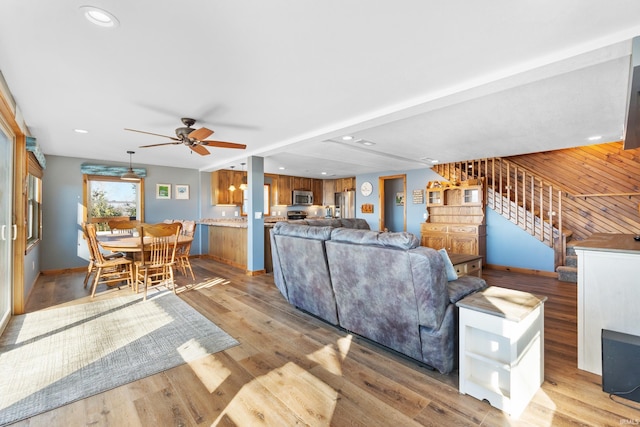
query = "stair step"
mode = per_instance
[
  {"x": 570, "y": 249},
  {"x": 567, "y": 274},
  {"x": 571, "y": 261}
]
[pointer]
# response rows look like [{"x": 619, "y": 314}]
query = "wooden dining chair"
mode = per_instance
[
  {"x": 91, "y": 268},
  {"x": 107, "y": 271},
  {"x": 184, "y": 249},
  {"x": 159, "y": 242},
  {"x": 123, "y": 226}
]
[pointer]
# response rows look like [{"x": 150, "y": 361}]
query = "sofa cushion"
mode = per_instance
[
  {"x": 402, "y": 240},
  {"x": 302, "y": 230},
  {"x": 448, "y": 265}
]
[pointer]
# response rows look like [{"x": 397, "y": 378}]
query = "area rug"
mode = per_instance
[{"x": 53, "y": 357}]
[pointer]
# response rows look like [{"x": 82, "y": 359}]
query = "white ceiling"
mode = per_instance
[{"x": 421, "y": 79}]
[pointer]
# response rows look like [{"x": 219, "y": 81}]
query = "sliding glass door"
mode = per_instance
[{"x": 7, "y": 229}]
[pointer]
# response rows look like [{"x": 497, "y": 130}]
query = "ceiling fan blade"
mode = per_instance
[
  {"x": 151, "y": 133},
  {"x": 200, "y": 134},
  {"x": 200, "y": 150},
  {"x": 158, "y": 145},
  {"x": 223, "y": 144}
]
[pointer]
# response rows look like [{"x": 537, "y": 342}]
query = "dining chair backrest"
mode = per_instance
[
  {"x": 124, "y": 227},
  {"x": 94, "y": 246},
  {"x": 188, "y": 228},
  {"x": 159, "y": 242}
]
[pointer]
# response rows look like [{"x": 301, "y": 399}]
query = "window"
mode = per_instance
[
  {"x": 34, "y": 202},
  {"x": 108, "y": 198}
]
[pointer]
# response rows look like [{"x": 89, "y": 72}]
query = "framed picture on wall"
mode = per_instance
[
  {"x": 163, "y": 191},
  {"x": 399, "y": 199},
  {"x": 182, "y": 192}
]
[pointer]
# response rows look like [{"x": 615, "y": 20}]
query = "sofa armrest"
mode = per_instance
[{"x": 463, "y": 286}]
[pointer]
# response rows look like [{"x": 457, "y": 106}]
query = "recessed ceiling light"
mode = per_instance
[
  {"x": 281, "y": 168},
  {"x": 81, "y": 131},
  {"x": 347, "y": 138},
  {"x": 594, "y": 138},
  {"x": 323, "y": 173},
  {"x": 368, "y": 143},
  {"x": 99, "y": 17}
]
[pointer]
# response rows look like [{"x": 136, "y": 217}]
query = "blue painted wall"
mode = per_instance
[
  {"x": 509, "y": 245},
  {"x": 416, "y": 180},
  {"x": 62, "y": 245}
]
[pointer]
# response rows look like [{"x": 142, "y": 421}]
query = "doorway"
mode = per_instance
[
  {"x": 7, "y": 229},
  {"x": 393, "y": 210}
]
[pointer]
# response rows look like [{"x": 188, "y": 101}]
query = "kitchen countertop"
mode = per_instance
[{"x": 242, "y": 222}]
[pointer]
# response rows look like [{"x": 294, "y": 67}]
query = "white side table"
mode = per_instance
[{"x": 502, "y": 347}]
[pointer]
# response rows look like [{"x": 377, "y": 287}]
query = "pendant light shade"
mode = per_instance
[{"x": 130, "y": 175}]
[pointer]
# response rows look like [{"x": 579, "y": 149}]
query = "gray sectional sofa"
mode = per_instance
[{"x": 381, "y": 286}]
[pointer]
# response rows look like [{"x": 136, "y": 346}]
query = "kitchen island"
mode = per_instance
[
  {"x": 228, "y": 241},
  {"x": 608, "y": 293}
]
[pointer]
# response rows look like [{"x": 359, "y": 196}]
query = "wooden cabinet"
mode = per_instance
[
  {"x": 301, "y": 183},
  {"x": 285, "y": 187},
  {"x": 344, "y": 184},
  {"x": 456, "y": 219},
  {"x": 455, "y": 238},
  {"x": 318, "y": 193},
  {"x": 220, "y": 182},
  {"x": 328, "y": 192}
]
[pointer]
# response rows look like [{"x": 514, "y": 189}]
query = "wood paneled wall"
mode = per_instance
[{"x": 589, "y": 176}]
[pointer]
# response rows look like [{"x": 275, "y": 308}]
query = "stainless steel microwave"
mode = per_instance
[{"x": 301, "y": 197}]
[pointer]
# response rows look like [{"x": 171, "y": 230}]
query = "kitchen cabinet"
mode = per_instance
[
  {"x": 328, "y": 192},
  {"x": 220, "y": 182},
  {"x": 301, "y": 183},
  {"x": 344, "y": 184},
  {"x": 318, "y": 193},
  {"x": 285, "y": 187},
  {"x": 456, "y": 220}
]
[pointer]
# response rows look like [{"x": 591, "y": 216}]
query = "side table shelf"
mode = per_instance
[{"x": 502, "y": 347}]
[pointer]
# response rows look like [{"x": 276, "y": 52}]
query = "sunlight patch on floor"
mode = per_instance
[
  {"x": 330, "y": 357},
  {"x": 211, "y": 372},
  {"x": 298, "y": 394}
]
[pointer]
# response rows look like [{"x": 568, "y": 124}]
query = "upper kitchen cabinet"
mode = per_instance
[
  {"x": 329, "y": 191},
  {"x": 345, "y": 184},
  {"x": 284, "y": 189},
  {"x": 221, "y": 180},
  {"x": 301, "y": 183},
  {"x": 318, "y": 191}
]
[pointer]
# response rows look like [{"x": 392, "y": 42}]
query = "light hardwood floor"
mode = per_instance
[{"x": 292, "y": 369}]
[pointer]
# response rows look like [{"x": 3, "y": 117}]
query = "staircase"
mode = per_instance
[{"x": 525, "y": 199}]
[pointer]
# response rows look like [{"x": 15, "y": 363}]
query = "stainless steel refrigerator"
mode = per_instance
[{"x": 345, "y": 204}]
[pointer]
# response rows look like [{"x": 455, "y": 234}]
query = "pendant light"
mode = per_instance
[
  {"x": 243, "y": 186},
  {"x": 130, "y": 175},
  {"x": 232, "y": 187}
]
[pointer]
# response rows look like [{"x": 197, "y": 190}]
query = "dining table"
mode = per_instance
[{"x": 120, "y": 242}]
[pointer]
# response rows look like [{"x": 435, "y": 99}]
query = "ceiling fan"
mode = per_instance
[{"x": 192, "y": 138}]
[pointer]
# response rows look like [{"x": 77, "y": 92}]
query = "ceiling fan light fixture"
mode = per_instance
[{"x": 130, "y": 175}]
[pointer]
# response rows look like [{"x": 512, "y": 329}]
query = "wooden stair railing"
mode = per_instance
[{"x": 517, "y": 194}]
